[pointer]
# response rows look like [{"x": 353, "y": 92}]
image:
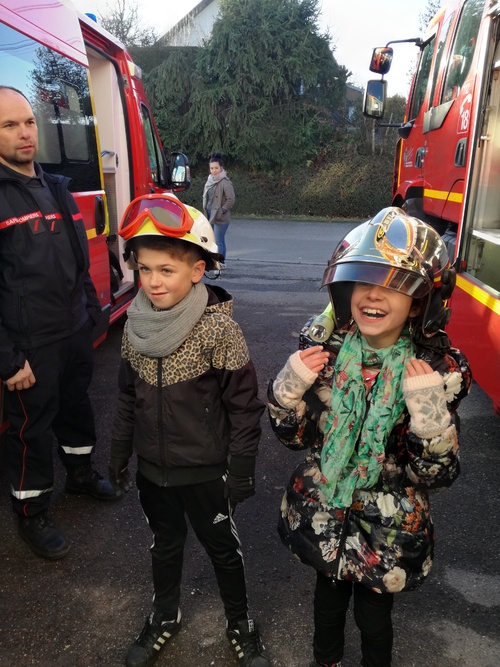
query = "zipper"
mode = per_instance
[
  {"x": 340, "y": 548},
  {"x": 24, "y": 315},
  {"x": 60, "y": 201},
  {"x": 211, "y": 428},
  {"x": 159, "y": 413}
]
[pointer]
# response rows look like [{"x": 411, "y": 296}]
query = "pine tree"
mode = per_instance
[{"x": 265, "y": 88}]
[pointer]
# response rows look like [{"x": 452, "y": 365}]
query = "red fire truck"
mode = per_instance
[
  {"x": 95, "y": 126},
  {"x": 447, "y": 164}
]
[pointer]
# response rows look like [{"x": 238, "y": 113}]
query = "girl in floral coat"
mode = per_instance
[{"x": 375, "y": 406}]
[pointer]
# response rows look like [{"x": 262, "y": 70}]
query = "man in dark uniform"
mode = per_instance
[{"x": 48, "y": 308}]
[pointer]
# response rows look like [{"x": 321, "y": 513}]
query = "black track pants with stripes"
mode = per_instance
[{"x": 211, "y": 518}]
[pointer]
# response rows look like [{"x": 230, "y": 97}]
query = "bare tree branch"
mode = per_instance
[{"x": 123, "y": 21}]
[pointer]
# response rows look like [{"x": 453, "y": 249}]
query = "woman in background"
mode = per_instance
[{"x": 218, "y": 200}]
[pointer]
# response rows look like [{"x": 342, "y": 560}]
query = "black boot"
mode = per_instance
[
  {"x": 42, "y": 537},
  {"x": 85, "y": 480}
]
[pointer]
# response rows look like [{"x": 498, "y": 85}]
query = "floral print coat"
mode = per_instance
[{"x": 385, "y": 540}]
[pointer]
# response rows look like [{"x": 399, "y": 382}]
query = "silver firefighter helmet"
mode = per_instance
[{"x": 396, "y": 251}]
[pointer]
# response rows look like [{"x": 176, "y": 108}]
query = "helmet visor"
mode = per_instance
[
  {"x": 397, "y": 279},
  {"x": 168, "y": 215}
]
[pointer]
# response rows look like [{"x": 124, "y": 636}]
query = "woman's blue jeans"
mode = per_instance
[{"x": 220, "y": 237}]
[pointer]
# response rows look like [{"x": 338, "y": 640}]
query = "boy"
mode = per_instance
[{"x": 188, "y": 405}]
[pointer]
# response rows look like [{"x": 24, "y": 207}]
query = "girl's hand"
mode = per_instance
[
  {"x": 417, "y": 367},
  {"x": 315, "y": 358}
]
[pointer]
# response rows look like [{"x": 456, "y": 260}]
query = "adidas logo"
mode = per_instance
[{"x": 220, "y": 517}]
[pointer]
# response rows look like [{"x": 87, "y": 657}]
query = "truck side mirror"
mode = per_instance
[
  {"x": 381, "y": 60},
  {"x": 181, "y": 173},
  {"x": 375, "y": 96}
]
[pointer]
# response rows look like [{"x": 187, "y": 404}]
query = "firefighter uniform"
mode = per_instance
[{"x": 48, "y": 308}]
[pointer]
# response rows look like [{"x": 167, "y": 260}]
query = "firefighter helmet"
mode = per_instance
[
  {"x": 396, "y": 251},
  {"x": 165, "y": 215}
]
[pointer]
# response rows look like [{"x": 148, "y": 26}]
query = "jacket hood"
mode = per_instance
[{"x": 219, "y": 300}]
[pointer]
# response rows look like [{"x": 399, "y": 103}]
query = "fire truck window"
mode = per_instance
[
  {"x": 154, "y": 150},
  {"x": 422, "y": 79},
  {"x": 58, "y": 91},
  {"x": 443, "y": 38},
  {"x": 463, "y": 49},
  {"x": 73, "y": 126}
]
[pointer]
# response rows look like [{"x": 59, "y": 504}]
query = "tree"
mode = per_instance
[
  {"x": 169, "y": 88},
  {"x": 429, "y": 12},
  {"x": 265, "y": 86},
  {"x": 375, "y": 139},
  {"x": 123, "y": 21},
  {"x": 424, "y": 19}
]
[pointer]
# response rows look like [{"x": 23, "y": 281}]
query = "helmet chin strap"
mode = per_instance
[{"x": 437, "y": 314}]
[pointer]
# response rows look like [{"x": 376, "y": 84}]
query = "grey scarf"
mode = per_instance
[
  {"x": 209, "y": 189},
  {"x": 158, "y": 333}
]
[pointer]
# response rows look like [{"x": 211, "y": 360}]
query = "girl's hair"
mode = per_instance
[
  {"x": 417, "y": 319},
  {"x": 217, "y": 157},
  {"x": 182, "y": 250}
]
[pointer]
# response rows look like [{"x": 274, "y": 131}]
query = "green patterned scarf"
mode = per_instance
[{"x": 356, "y": 433}]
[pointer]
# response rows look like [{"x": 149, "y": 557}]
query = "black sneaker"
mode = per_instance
[
  {"x": 314, "y": 663},
  {"x": 87, "y": 481},
  {"x": 154, "y": 635},
  {"x": 245, "y": 640},
  {"x": 42, "y": 537}
]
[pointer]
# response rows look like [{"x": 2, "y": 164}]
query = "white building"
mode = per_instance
[{"x": 195, "y": 27}]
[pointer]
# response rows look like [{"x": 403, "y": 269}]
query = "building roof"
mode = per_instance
[{"x": 197, "y": 9}]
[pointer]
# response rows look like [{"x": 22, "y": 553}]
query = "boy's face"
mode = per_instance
[
  {"x": 380, "y": 313},
  {"x": 167, "y": 279}
]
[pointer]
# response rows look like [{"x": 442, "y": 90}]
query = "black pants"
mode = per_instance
[
  {"x": 57, "y": 404},
  {"x": 372, "y": 613},
  {"x": 211, "y": 518}
]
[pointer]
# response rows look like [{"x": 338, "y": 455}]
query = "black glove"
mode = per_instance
[
  {"x": 224, "y": 211},
  {"x": 238, "y": 489},
  {"x": 119, "y": 475}
]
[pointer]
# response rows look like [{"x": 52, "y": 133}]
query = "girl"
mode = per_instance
[{"x": 376, "y": 406}]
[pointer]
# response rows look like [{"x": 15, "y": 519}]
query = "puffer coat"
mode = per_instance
[{"x": 385, "y": 539}]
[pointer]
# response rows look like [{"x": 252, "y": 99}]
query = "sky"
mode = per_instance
[{"x": 379, "y": 21}]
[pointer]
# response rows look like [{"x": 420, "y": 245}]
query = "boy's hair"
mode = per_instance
[{"x": 182, "y": 250}]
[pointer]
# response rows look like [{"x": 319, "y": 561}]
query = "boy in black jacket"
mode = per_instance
[{"x": 188, "y": 405}]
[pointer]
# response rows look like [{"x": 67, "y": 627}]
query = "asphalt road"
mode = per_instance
[{"x": 84, "y": 611}]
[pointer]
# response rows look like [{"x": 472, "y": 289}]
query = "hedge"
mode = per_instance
[{"x": 352, "y": 186}]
